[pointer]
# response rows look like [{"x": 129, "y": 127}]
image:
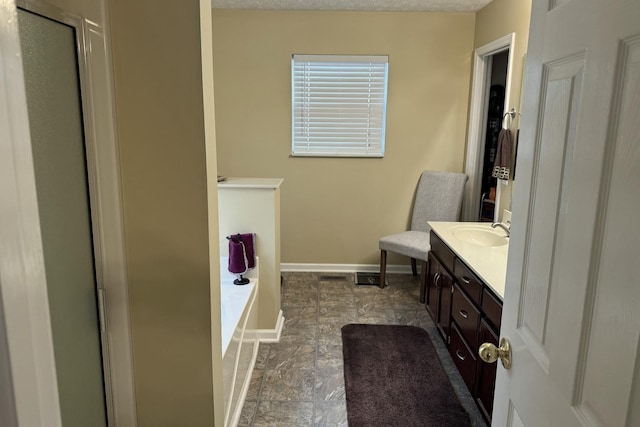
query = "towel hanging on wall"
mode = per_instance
[
  {"x": 502, "y": 164},
  {"x": 242, "y": 255}
]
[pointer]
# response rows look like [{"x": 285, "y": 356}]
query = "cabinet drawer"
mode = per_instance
[
  {"x": 462, "y": 357},
  {"x": 442, "y": 251},
  {"x": 466, "y": 315},
  {"x": 492, "y": 308},
  {"x": 486, "y": 382},
  {"x": 468, "y": 281}
]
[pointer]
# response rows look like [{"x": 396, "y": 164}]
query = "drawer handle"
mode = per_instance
[
  {"x": 466, "y": 280},
  {"x": 460, "y": 355},
  {"x": 464, "y": 314}
]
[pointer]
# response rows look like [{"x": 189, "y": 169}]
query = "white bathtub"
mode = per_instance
[{"x": 239, "y": 320}]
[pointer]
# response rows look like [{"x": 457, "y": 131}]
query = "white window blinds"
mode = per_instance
[{"x": 339, "y": 105}]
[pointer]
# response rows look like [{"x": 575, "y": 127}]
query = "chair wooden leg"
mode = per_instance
[
  {"x": 383, "y": 268},
  {"x": 423, "y": 282},
  {"x": 414, "y": 269}
]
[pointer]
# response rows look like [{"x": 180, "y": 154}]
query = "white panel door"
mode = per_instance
[{"x": 572, "y": 301}]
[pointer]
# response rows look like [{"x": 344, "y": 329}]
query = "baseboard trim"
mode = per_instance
[
  {"x": 271, "y": 335},
  {"x": 343, "y": 268}
]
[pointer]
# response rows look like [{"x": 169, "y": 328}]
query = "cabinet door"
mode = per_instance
[
  {"x": 444, "y": 311},
  {"x": 466, "y": 316},
  {"x": 433, "y": 290},
  {"x": 439, "y": 287},
  {"x": 486, "y": 380},
  {"x": 463, "y": 357}
]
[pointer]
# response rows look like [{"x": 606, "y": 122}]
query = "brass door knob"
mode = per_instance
[{"x": 490, "y": 353}]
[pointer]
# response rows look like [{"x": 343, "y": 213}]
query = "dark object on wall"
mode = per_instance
[
  {"x": 491, "y": 148},
  {"x": 515, "y": 155},
  {"x": 242, "y": 256},
  {"x": 496, "y": 101},
  {"x": 495, "y": 109}
]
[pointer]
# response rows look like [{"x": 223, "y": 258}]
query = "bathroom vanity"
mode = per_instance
[{"x": 465, "y": 287}]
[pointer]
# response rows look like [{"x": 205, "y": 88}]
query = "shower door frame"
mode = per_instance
[{"x": 24, "y": 292}]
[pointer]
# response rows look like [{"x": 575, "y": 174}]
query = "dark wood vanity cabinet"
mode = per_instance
[
  {"x": 486, "y": 376},
  {"x": 439, "y": 286},
  {"x": 467, "y": 314}
]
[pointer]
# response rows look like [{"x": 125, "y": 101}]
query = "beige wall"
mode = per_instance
[
  {"x": 497, "y": 19},
  {"x": 158, "y": 85},
  {"x": 335, "y": 210}
]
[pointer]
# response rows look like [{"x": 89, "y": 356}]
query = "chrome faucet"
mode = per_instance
[{"x": 501, "y": 225}]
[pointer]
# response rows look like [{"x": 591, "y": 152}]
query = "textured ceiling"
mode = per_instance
[{"x": 372, "y": 5}]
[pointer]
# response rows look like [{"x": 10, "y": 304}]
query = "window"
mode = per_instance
[{"x": 339, "y": 105}]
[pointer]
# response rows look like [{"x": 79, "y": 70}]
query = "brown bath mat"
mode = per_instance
[{"x": 393, "y": 377}]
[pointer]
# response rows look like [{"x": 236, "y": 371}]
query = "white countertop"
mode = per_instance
[
  {"x": 235, "y": 182},
  {"x": 489, "y": 263},
  {"x": 233, "y": 300}
]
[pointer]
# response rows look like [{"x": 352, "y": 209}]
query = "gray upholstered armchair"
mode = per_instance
[{"x": 438, "y": 198}]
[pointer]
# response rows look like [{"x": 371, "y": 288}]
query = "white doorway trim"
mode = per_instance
[{"x": 482, "y": 62}]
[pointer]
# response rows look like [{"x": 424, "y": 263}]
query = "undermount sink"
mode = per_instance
[{"x": 480, "y": 236}]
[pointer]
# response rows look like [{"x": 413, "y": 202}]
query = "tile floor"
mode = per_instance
[{"x": 299, "y": 381}]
